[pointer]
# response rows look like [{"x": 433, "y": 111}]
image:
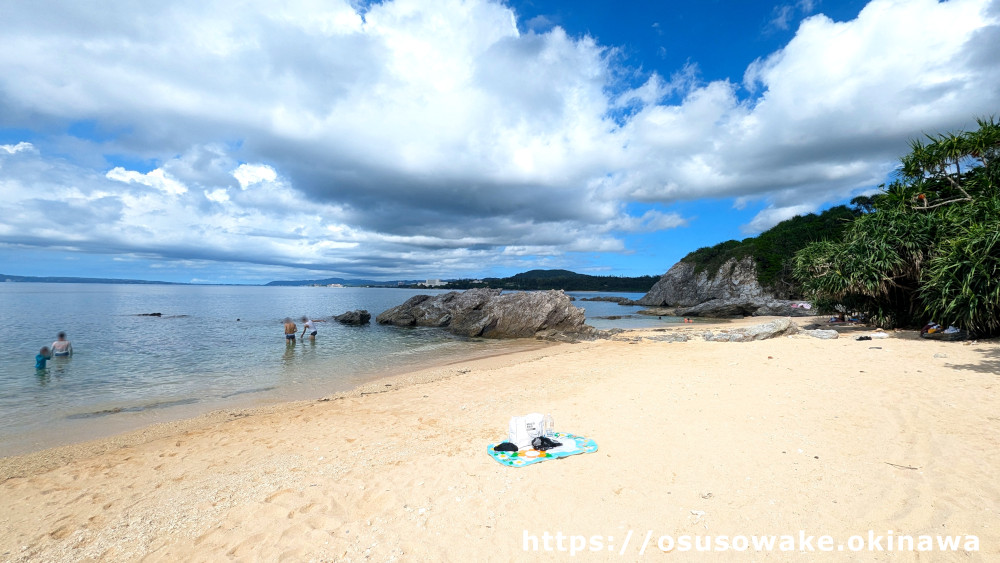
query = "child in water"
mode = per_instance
[{"x": 42, "y": 357}]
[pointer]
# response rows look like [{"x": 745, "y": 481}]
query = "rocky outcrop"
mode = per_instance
[
  {"x": 822, "y": 334},
  {"x": 738, "y": 307},
  {"x": 488, "y": 313},
  {"x": 619, "y": 300},
  {"x": 733, "y": 291},
  {"x": 356, "y": 318},
  {"x": 777, "y": 327},
  {"x": 681, "y": 286}
]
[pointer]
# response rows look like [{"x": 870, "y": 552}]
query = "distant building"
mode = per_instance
[{"x": 433, "y": 283}]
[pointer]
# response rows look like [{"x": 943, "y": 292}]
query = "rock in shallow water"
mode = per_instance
[
  {"x": 488, "y": 313},
  {"x": 358, "y": 317}
]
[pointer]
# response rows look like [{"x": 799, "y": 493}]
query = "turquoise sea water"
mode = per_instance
[{"x": 213, "y": 347}]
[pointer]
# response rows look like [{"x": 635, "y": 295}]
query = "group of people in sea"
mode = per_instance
[
  {"x": 291, "y": 330},
  {"x": 61, "y": 347}
]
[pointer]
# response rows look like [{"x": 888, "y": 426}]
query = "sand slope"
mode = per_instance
[{"x": 827, "y": 436}]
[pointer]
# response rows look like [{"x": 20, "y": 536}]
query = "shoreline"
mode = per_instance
[
  {"x": 398, "y": 378},
  {"x": 769, "y": 437},
  {"x": 46, "y": 458}
]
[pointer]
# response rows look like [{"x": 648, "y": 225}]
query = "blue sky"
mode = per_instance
[{"x": 243, "y": 142}]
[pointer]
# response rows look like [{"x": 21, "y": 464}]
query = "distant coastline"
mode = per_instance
[
  {"x": 531, "y": 280},
  {"x": 525, "y": 281},
  {"x": 65, "y": 279}
]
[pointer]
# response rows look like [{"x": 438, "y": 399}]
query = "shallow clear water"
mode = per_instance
[
  {"x": 213, "y": 347},
  {"x": 606, "y": 314}
]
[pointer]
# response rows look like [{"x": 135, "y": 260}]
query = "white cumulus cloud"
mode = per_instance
[{"x": 419, "y": 135}]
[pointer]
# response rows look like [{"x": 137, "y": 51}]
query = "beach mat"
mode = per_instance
[{"x": 571, "y": 445}]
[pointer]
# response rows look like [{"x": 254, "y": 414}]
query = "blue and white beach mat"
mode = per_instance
[{"x": 571, "y": 445}]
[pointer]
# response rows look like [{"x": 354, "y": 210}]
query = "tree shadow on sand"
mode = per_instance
[{"x": 989, "y": 364}]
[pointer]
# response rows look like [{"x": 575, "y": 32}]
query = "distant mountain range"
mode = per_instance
[{"x": 560, "y": 279}]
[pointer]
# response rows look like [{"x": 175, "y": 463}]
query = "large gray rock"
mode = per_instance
[
  {"x": 777, "y": 327},
  {"x": 669, "y": 338},
  {"x": 719, "y": 308},
  {"x": 737, "y": 307},
  {"x": 489, "y": 313},
  {"x": 733, "y": 291},
  {"x": 823, "y": 334},
  {"x": 357, "y": 318}
]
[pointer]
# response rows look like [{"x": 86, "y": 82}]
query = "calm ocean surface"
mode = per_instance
[{"x": 214, "y": 347}]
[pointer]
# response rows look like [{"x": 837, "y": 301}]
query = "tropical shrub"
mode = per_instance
[{"x": 927, "y": 247}]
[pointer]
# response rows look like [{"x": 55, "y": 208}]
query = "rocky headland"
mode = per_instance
[{"x": 732, "y": 291}]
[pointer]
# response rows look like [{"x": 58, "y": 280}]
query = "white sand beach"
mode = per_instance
[{"x": 828, "y": 437}]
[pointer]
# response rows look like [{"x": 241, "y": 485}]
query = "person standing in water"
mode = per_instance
[
  {"x": 290, "y": 330},
  {"x": 62, "y": 347},
  {"x": 42, "y": 356},
  {"x": 308, "y": 325}
]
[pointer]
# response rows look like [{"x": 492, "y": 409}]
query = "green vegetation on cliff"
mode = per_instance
[{"x": 774, "y": 250}]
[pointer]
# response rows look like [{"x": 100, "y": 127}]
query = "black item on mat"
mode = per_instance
[{"x": 543, "y": 443}]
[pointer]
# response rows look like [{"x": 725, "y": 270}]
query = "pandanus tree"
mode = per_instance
[{"x": 927, "y": 247}]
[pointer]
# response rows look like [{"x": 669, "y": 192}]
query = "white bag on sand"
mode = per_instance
[{"x": 522, "y": 429}]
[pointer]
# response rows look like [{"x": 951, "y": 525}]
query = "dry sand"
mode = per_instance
[{"x": 834, "y": 437}]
